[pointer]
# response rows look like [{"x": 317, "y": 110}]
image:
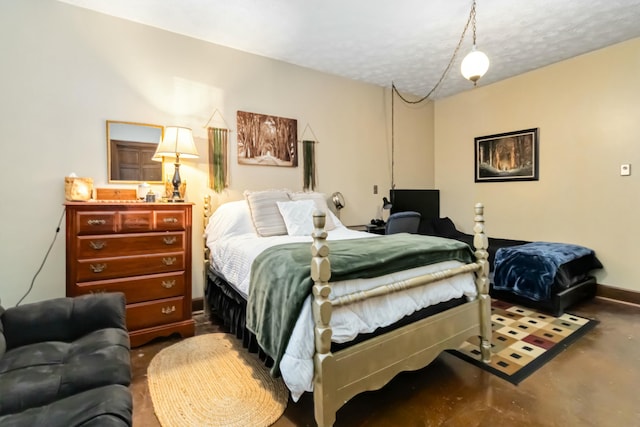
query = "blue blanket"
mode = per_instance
[{"x": 529, "y": 270}]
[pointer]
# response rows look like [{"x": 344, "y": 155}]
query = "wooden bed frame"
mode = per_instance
[{"x": 369, "y": 365}]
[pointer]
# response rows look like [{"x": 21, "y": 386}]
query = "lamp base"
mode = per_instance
[{"x": 176, "y": 187}]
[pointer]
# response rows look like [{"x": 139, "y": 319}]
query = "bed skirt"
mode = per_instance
[{"x": 229, "y": 305}]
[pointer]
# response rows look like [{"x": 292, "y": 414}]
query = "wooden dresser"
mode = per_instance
[{"x": 141, "y": 249}]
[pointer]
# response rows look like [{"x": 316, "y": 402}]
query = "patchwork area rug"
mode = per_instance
[
  {"x": 210, "y": 380},
  {"x": 523, "y": 340}
]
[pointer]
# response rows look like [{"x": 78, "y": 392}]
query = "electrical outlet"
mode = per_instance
[
  {"x": 625, "y": 170},
  {"x": 375, "y": 189}
]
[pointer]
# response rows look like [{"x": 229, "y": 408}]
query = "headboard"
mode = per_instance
[{"x": 427, "y": 202}]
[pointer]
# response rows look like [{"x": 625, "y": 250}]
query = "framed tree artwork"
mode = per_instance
[
  {"x": 511, "y": 156},
  {"x": 267, "y": 140}
]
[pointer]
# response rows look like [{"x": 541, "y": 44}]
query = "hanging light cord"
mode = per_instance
[
  {"x": 471, "y": 20},
  {"x": 473, "y": 14},
  {"x": 394, "y": 90}
]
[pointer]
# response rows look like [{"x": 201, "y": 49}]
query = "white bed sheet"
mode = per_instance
[{"x": 232, "y": 256}]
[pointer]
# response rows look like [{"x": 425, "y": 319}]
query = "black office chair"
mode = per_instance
[{"x": 403, "y": 222}]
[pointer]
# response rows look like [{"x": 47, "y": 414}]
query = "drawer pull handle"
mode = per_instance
[
  {"x": 98, "y": 268},
  {"x": 169, "y": 261},
  {"x": 97, "y": 244},
  {"x": 170, "y": 220},
  {"x": 170, "y": 240},
  {"x": 96, "y": 222},
  {"x": 168, "y": 284},
  {"x": 168, "y": 310}
]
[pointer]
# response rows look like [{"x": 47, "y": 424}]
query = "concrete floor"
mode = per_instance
[{"x": 595, "y": 382}]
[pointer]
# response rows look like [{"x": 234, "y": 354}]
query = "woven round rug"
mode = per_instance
[{"x": 210, "y": 380}]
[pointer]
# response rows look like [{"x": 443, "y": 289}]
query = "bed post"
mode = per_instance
[
  {"x": 481, "y": 243},
  {"x": 323, "y": 360},
  {"x": 206, "y": 215}
]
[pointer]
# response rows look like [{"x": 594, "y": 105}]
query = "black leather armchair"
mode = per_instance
[{"x": 65, "y": 362}]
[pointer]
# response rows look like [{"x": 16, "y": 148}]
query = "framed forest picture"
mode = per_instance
[
  {"x": 267, "y": 140},
  {"x": 511, "y": 156}
]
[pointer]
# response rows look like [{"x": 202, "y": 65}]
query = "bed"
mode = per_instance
[{"x": 359, "y": 323}]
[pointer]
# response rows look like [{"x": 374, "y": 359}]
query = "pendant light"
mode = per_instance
[{"x": 476, "y": 63}]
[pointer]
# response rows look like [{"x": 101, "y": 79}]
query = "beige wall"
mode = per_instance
[
  {"x": 587, "y": 110},
  {"x": 66, "y": 70}
]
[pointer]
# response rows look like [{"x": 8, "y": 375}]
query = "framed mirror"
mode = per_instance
[{"x": 130, "y": 149}]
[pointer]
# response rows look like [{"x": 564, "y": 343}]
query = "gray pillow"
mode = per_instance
[{"x": 265, "y": 214}]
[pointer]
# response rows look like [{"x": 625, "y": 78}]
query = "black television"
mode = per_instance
[{"x": 426, "y": 202}]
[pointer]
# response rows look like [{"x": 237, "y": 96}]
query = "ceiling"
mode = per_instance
[{"x": 407, "y": 42}]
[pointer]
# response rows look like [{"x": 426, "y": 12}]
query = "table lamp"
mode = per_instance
[{"x": 177, "y": 142}]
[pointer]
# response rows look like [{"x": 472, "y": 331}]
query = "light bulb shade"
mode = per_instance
[
  {"x": 177, "y": 141},
  {"x": 474, "y": 65}
]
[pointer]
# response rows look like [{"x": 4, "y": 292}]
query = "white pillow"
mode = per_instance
[
  {"x": 320, "y": 200},
  {"x": 229, "y": 219},
  {"x": 298, "y": 216},
  {"x": 264, "y": 211}
]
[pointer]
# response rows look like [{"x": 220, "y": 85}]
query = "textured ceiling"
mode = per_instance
[{"x": 408, "y": 42}]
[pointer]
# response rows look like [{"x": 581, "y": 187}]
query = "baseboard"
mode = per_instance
[
  {"x": 603, "y": 291},
  {"x": 197, "y": 304},
  {"x": 623, "y": 295}
]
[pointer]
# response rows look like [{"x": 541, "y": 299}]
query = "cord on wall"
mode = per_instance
[{"x": 45, "y": 258}]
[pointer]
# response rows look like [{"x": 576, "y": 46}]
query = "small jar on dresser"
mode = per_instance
[{"x": 140, "y": 249}]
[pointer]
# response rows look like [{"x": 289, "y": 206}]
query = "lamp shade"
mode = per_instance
[
  {"x": 386, "y": 204},
  {"x": 338, "y": 200},
  {"x": 177, "y": 142},
  {"x": 474, "y": 65}
]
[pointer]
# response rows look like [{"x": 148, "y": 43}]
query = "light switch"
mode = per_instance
[
  {"x": 625, "y": 170},
  {"x": 375, "y": 189}
]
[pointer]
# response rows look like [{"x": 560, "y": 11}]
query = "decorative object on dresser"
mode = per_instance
[
  {"x": 177, "y": 141},
  {"x": 120, "y": 194},
  {"x": 78, "y": 189},
  {"x": 140, "y": 249}
]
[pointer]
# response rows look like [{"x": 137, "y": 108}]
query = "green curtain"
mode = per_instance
[
  {"x": 218, "y": 155},
  {"x": 309, "y": 170}
]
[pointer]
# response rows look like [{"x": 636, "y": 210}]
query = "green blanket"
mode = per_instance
[{"x": 281, "y": 277}]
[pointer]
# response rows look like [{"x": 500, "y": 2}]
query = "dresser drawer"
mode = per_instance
[
  {"x": 170, "y": 220},
  {"x": 100, "y": 246},
  {"x": 147, "y": 314},
  {"x": 96, "y": 222},
  {"x": 132, "y": 221},
  {"x": 137, "y": 289},
  {"x": 89, "y": 270}
]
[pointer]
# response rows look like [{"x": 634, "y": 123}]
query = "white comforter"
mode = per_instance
[{"x": 232, "y": 256}]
